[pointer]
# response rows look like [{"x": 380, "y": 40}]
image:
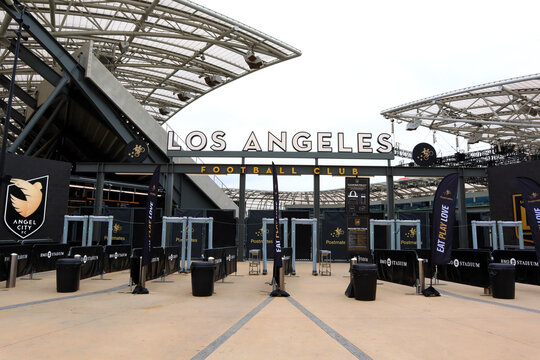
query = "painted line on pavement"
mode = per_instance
[
  {"x": 62, "y": 298},
  {"x": 489, "y": 302},
  {"x": 227, "y": 334},
  {"x": 334, "y": 334}
]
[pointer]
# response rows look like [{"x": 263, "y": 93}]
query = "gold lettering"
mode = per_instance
[
  {"x": 355, "y": 171},
  {"x": 341, "y": 171},
  {"x": 255, "y": 170},
  {"x": 203, "y": 169},
  {"x": 230, "y": 170},
  {"x": 269, "y": 171},
  {"x": 328, "y": 172},
  {"x": 281, "y": 171},
  {"x": 216, "y": 169},
  {"x": 316, "y": 171},
  {"x": 243, "y": 169},
  {"x": 294, "y": 172}
]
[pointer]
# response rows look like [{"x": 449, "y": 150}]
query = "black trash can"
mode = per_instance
[
  {"x": 202, "y": 278},
  {"x": 364, "y": 281},
  {"x": 503, "y": 280},
  {"x": 68, "y": 274}
]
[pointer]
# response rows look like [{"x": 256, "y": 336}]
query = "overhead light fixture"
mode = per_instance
[
  {"x": 184, "y": 96},
  {"x": 475, "y": 138},
  {"x": 124, "y": 46},
  {"x": 253, "y": 61},
  {"x": 164, "y": 111},
  {"x": 413, "y": 125},
  {"x": 213, "y": 80}
]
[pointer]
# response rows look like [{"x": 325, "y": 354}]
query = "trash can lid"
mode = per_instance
[
  {"x": 68, "y": 261},
  {"x": 202, "y": 264},
  {"x": 364, "y": 267},
  {"x": 500, "y": 266}
]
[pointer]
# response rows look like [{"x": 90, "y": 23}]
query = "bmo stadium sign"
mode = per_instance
[{"x": 283, "y": 145}]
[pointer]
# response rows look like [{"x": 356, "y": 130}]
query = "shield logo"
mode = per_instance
[{"x": 26, "y": 205}]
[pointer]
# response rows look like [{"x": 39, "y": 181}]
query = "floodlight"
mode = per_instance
[
  {"x": 213, "y": 80},
  {"x": 164, "y": 111},
  {"x": 475, "y": 138},
  {"x": 413, "y": 125},
  {"x": 253, "y": 61},
  {"x": 184, "y": 96}
]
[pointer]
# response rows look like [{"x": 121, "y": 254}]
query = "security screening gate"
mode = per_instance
[
  {"x": 497, "y": 229},
  {"x": 492, "y": 224},
  {"x": 191, "y": 221},
  {"x": 395, "y": 239},
  {"x": 91, "y": 220},
  {"x": 73, "y": 218},
  {"x": 176, "y": 220},
  {"x": 266, "y": 221},
  {"x": 313, "y": 223},
  {"x": 518, "y": 224}
]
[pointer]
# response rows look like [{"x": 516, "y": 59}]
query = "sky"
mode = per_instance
[{"x": 359, "y": 58}]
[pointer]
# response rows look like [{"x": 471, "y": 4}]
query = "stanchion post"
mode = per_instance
[
  {"x": 12, "y": 278},
  {"x": 354, "y": 261},
  {"x": 282, "y": 275},
  {"x": 142, "y": 273},
  {"x": 421, "y": 278}
]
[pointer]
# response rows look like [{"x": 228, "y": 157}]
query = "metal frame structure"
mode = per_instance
[
  {"x": 72, "y": 218},
  {"x": 313, "y": 223},
  {"x": 491, "y": 224},
  {"x": 166, "y": 54},
  {"x": 391, "y": 223},
  {"x": 518, "y": 224},
  {"x": 91, "y": 220},
  {"x": 399, "y": 224},
  {"x": 210, "y": 235},
  {"x": 266, "y": 221},
  {"x": 503, "y": 113}
]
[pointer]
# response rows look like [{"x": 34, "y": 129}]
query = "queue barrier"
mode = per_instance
[
  {"x": 171, "y": 259},
  {"x": 91, "y": 259},
  {"x": 469, "y": 267},
  {"x": 156, "y": 267},
  {"x": 525, "y": 262},
  {"x": 116, "y": 258},
  {"x": 24, "y": 264},
  {"x": 225, "y": 259},
  {"x": 397, "y": 266}
]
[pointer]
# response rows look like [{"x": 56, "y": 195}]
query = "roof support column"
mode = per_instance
[
  {"x": 169, "y": 191},
  {"x": 390, "y": 214},
  {"x": 462, "y": 212},
  {"x": 37, "y": 115},
  {"x": 100, "y": 180},
  {"x": 242, "y": 215},
  {"x": 317, "y": 207}
]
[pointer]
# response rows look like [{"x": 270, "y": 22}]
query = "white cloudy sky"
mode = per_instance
[{"x": 359, "y": 58}]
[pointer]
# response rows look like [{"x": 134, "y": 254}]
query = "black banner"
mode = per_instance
[
  {"x": 34, "y": 202},
  {"x": 444, "y": 216},
  {"x": 117, "y": 258},
  {"x": 122, "y": 226},
  {"x": 531, "y": 202},
  {"x": 24, "y": 255},
  {"x": 44, "y": 256},
  {"x": 277, "y": 234},
  {"x": 397, "y": 266},
  {"x": 172, "y": 259},
  {"x": 4, "y": 270},
  {"x": 356, "y": 195},
  {"x": 91, "y": 259},
  {"x": 525, "y": 261},
  {"x": 151, "y": 208},
  {"x": 218, "y": 255},
  {"x": 231, "y": 262},
  {"x": 334, "y": 234},
  {"x": 468, "y": 267}
]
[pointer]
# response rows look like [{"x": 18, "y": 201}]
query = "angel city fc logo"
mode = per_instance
[{"x": 26, "y": 205}]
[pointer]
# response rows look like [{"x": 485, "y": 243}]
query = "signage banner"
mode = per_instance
[
  {"x": 122, "y": 226},
  {"x": 35, "y": 200},
  {"x": 277, "y": 233},
  {"x": 358, "y": 234},
  {"x": 398, "y": 266},
  {"x": 218, "y": 255},
  {"x": 444, "y": 216},
  {"x": 44, "y": 256},
  {"x": 468, "y": 267},
  {"x": 116, "y": 258},
  {"x": 151, "y": 209},
  {"x": 525, "y": 261},
  {"x": 196, "y": 231},
  {"x": 531, "y": 202},
  {"x": 91, "y": 259},
  {"x": 334, "y": 234},
  {"x": 356, "y": 195}
]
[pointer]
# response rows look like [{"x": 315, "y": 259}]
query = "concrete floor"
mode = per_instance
[{"x": 240, "y": 321}]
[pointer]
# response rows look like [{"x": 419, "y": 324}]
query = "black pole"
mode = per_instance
[{"x": 10, "y": 101}]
